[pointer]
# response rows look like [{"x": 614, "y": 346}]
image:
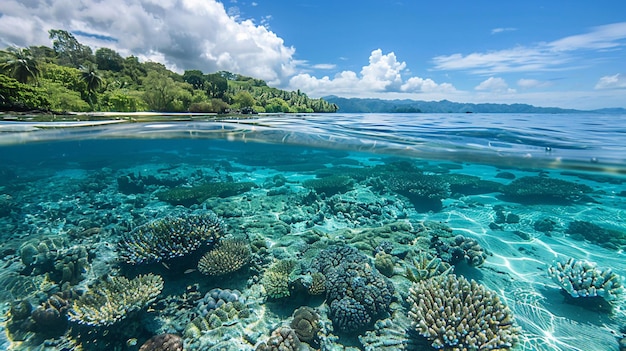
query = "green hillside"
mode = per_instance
[{"x": 69, "y": 76}]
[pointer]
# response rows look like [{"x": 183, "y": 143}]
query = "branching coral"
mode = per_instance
[
  {"x": 584, "y": 279},
  {"x": 170, "y": 237},
  {"x": 275, "y": 280},
  {"x": 456, "y": 314},
  {"x": 113, "y": 299},
  {"x": 227, "y": 257}
]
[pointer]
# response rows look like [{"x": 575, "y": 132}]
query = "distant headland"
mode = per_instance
[{"x": 366, "y": 105}]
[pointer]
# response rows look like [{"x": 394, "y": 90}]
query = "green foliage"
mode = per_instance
[
  {"x": 69, "y": 51},
  {"x": 20, "y": 64},
  {"x": 64, "y": 99},
  {"x": 17, "y": 96},
  {"x": 163, "y": 94},
  {"x": 122, "y": 100},
  {"x": 108, "y": 59},
  {"x": 77, "y": 80}
]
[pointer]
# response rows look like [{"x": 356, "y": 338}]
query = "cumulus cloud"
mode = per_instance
[
  {"x": 494, "y": 85},
  {"x": 531, "y": 83},
  {"x": 382, "y": 74},
  {"x": 616, "y": 81},
  {"x": 539, "y": 57},
  {"x": 186, "y": 34}
]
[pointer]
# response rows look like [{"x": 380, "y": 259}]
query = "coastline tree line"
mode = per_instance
[{"x": 71, "y": 77}]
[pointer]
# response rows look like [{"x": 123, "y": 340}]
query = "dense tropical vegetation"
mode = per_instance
[{"x": 71, "y": 77}]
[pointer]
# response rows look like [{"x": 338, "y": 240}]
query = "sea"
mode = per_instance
[{"x": 313, "y": 232}]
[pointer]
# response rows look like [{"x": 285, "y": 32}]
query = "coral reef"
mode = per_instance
[
  {"x": 424, "y": 191},
  {"x": 331, "y": 185},
  {"x": 305, "y": 323},
  {"x": 275, "y": 280},
  {"x": 170, "y": 237},
  {"x": 228, "y": 256},
  {"x": 609, "y": 238},
  {"x": 456, "y": 314},
  {"x": 54, "y": 257},
  {"x": 384, "y": 262},
  {"x": 282, "y": 339},
  {"x": 544, "y": 190},
  {"x": 426, "y": 266},
  {"x": 51, "y": 315},
  {"x": 114, "y": 298},
  {"x": 227, "y": 327},
  {"x": 458, "y": 249},
  {"x": 583, "y": 279},
  {"x": 355, "y": 291},
  {"x": 163, "y": 342},
  {"x": 188, "y": 196}
]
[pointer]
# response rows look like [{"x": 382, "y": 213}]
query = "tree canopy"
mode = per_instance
[{"x": 70, "y": 77}]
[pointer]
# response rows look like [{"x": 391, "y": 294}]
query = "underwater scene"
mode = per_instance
[{"x": 314, "y": 232}]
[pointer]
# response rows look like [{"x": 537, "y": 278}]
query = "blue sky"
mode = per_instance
[{"x": 568, "y": 54}]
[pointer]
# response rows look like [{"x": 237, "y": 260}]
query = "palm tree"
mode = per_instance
[
  {"x": 89, "y": 75},
  {"x": 20, "y": 64}
]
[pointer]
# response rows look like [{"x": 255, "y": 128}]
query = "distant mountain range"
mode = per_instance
[{"x": 357, "y": 105}]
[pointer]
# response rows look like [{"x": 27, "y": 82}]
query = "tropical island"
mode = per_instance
[{"x": 72, "y": 77}]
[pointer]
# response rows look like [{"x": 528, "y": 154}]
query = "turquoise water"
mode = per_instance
[{"x": 216, "y": 233}]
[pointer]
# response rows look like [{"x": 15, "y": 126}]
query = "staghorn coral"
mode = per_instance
[
  {"x": 170, "y": 237},
  {"x": 456, "y": 314},
  {"x": 584, "y": 279},
  {"x": 163, "y": 342},
  {"x": 282, "y": 339},
  {"x": 227, "y": 257},
  {"x": 113, "y": 299}
]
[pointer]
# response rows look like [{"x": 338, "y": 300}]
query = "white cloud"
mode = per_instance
[
  {"x": 324, "y": 66},
  {"x": 383, "y": 74},
  {"x": 500, "y": 30},
  {"x": 616, "y": 81},
  {"x": 531, "y": 83},
  {"x": 539, "y": 57},
  {"x": 187, "y": 34},
  {"x": 494, "y": 85}
]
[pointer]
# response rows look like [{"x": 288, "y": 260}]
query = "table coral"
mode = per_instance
[
  {"x": 169, "y": 237},
  {"x": 456, "y": 314},
  {"x": 113, "y": 299},
  {"x": 544, "y": 190}
]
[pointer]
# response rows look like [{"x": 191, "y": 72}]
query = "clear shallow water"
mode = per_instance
[{"x": 399, "y": 182}]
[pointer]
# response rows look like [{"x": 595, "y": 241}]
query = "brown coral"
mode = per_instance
[
  {"x": 282, "y": 339},
  {"x": 163, "y": 342},
  {"x": 305, "y": 323}
]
